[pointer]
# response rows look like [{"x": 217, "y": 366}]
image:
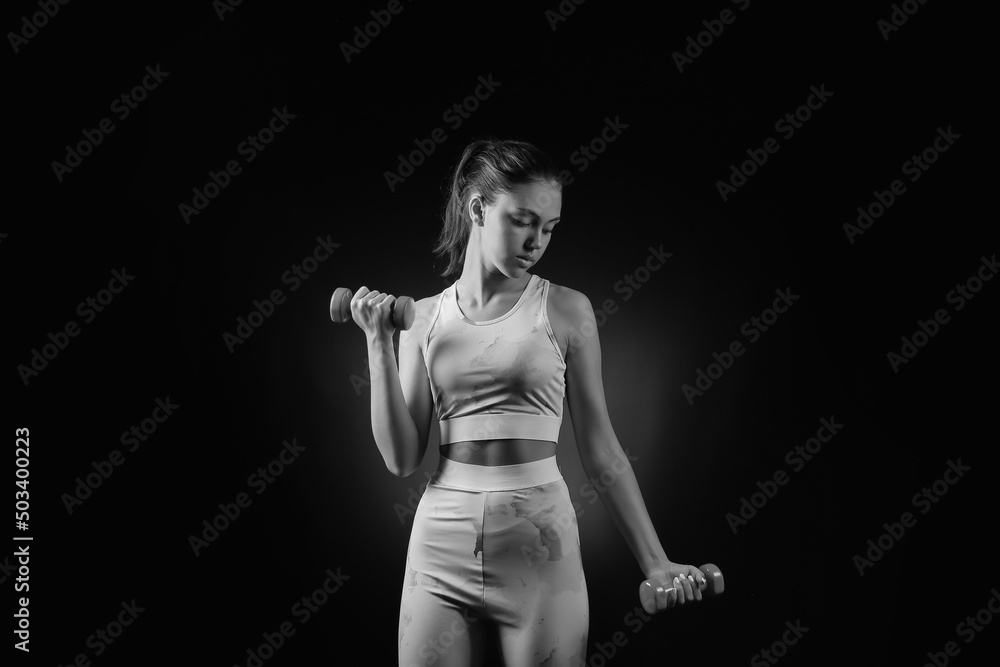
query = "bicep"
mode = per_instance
[
  {"x": 415, "y": 384},
  {"x": 585, "y": 383}
]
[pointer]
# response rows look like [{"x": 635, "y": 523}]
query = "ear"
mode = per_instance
[{"x": 477, "y": 209}]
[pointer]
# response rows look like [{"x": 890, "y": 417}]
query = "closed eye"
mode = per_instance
[{"x": 526, "y": 224}]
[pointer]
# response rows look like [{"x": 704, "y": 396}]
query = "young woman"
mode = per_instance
[{"x": 495, "y": 545}]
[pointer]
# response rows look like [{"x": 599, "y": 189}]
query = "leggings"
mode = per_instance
[{"x": 494, "y": 547}]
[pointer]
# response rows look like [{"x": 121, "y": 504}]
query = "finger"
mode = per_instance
[
  {"x": 689, "y": 587},
  {"x": 660, "y": 597},
  {"x": 683, "y": 587},
  {"x": 372, "y": 301},
  {"x": 358, "y": 298},
  {"x": 665, "y": 597},
  {"x": 695, "y": 589},
  {"x": 383, "y": 306}
]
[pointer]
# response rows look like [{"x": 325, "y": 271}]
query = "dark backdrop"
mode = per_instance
[{"x": 299, "y": 378}]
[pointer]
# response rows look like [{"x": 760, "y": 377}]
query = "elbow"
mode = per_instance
[
  {"x": 404, "y": 466},
  {"x": 402, "y": 472},
  {"x": 397, "y": 467}
]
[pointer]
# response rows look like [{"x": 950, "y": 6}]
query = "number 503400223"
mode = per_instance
[{"x": 21, "y": 473}]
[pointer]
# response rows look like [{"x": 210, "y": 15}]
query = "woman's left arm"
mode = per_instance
[{"x": 601, "y": 453}]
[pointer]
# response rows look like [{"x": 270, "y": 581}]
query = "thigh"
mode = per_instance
[
  {"x": 555, "y": 636},
  {"x": 536, "y": 588},
  {"x": 435, "y": 631},
  {"x": 440, "y": 620}
]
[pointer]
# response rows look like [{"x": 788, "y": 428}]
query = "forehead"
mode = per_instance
[{"x": 542, "y": 199}]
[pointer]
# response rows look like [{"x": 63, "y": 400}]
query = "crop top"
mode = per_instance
[{"x": 499, "y": 379}]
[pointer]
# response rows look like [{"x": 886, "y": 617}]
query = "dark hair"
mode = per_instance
[{"x": 489, "y": 167}]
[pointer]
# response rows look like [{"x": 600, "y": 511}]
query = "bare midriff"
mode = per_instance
[{"x": 508, "y": 451}]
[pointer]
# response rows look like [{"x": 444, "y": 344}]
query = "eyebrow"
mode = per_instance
[{"x": 535, "y": 215}]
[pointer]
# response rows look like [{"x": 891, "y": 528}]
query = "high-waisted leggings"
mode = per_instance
[{"x": 494, "y": 549}]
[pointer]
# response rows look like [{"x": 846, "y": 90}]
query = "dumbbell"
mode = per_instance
[
  {"x": 714, "y": 585},
  {"x": 403, "y": 309}
]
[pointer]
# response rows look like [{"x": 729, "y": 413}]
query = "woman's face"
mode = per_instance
[{"x": 518, "y": 224}]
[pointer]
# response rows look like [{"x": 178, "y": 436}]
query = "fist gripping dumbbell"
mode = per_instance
[
  {"x": 340, "y": 309},
  {"x": 714, "y": 585}
]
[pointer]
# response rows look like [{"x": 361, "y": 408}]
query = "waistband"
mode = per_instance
[
  {"x": 500, "y": 426},
  {"x": 495, "y": 478}
]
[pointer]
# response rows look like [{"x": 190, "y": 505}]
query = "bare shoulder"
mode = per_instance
[
  {"x": 570, "y": 306},
  {"x": 569, "y": 310}
]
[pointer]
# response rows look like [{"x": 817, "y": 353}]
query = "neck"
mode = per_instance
[{"x": 480, "y": 284}]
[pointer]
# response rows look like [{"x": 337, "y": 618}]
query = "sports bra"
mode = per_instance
[{"x": 499, "y": 379}]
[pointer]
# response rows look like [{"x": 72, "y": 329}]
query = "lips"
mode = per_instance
[{"x": 526, "y": 257}]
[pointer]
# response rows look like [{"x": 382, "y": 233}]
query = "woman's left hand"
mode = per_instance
[{"x": 676, "y": 584}]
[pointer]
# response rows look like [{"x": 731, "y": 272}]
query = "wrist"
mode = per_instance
[
  {"x": 656, "y": 567},
  {"x": 380, "y": 342}
]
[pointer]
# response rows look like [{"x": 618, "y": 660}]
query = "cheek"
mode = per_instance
[
  {"x": 500, "y": 243},
  {"x": 509, "y": 238}
]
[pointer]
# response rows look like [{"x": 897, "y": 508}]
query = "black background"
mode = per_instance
[{"x": 297, "y": 375}]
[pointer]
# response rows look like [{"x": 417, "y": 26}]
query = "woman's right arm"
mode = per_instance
[{"x": 401, "y": 399}]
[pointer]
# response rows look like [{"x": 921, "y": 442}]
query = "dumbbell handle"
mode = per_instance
[
  {"x": 340, "y": 309},
  {"x": 714, "y": 585}
]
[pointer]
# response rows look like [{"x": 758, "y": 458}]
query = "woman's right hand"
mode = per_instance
[{"x": 372, "y": 311}]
